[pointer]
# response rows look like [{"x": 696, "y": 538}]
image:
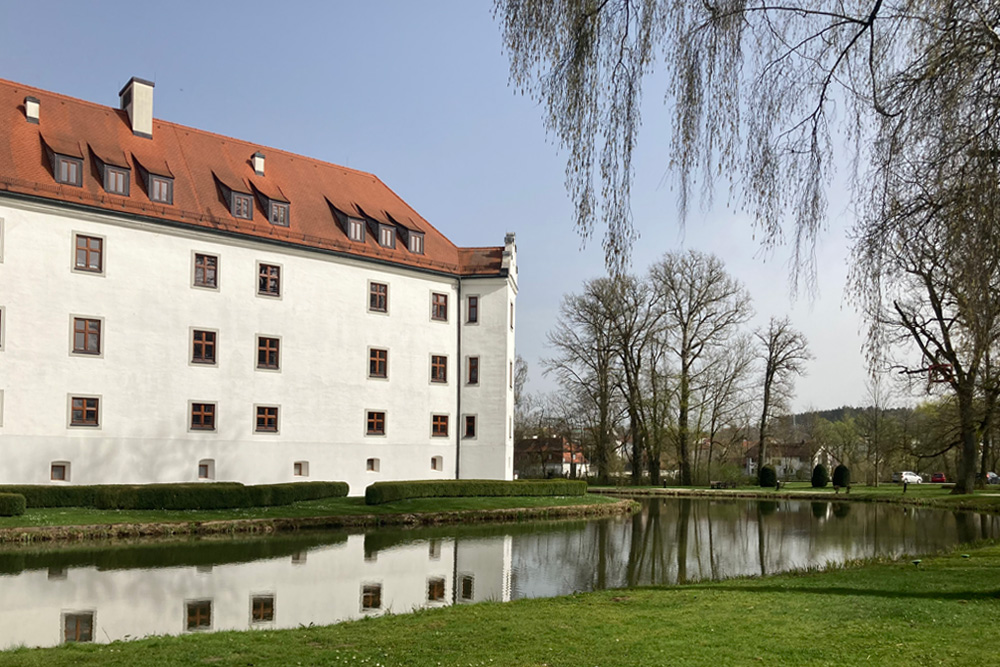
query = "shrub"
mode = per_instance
[
  {"x": 11, "y": 504},
  {"x": 384, "y": 492},
  {"x": 767, "y": 476},
  {"x": 820, "y": 477},
  {"x": 181, "y": 496},
  {"x": 841, "y": 476}
]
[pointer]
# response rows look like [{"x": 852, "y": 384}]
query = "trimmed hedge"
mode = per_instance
[
  {"x": 841, "y": 476},
  {"x": 767, "y": 477},
  {"x": 820, "y": 477},
  {"x": 184, "y": 496},
  {"x": 385, "y": 492},
  {"x": 11, "y": 504}
]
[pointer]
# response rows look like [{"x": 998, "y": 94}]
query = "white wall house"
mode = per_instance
[{"x": 176, "y": 305}]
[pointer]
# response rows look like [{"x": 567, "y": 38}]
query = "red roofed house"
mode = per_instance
[
  {"x": 178, "y": 305},
  {"x": 549, "y": 457}
]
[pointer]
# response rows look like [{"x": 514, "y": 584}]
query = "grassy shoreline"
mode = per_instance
[
  {"x": 73, "y": 523},
  {"x": 884, "y": 613}
]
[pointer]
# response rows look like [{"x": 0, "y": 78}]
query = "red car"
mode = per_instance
[{"x": 938, "y": 478}]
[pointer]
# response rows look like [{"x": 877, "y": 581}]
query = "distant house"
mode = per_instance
[
  {"x": 789, "y": 460},
  {"x": 549, "y": 457}
]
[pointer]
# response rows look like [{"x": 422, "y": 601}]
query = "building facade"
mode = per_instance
[{"x": 176, "y": 305}]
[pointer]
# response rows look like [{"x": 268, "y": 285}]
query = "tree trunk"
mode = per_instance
[{"x": 966, "y": 481}]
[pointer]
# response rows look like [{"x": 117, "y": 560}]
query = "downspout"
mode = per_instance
[{"x": 459, "y": 367}]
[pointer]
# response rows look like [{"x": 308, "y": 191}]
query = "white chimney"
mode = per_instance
[
  {"x": 137, "y": 99},
  {"x": 31, "y": 108},
  {"x": 258, "y": 163}
]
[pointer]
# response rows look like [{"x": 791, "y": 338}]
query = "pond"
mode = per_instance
[{"x": 101, "y": 592}]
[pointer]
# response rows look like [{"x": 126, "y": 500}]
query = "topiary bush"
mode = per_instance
[
  {"x": 820, "y": 477},
  {"x": 385, "y": 492},
  {"x": 841, "y": 477},
  {"x": 11, "y": 504},
  {"x": 767, "y": 476}
]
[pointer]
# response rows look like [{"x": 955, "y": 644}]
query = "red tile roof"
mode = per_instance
[{"x": 198, "y": 161}]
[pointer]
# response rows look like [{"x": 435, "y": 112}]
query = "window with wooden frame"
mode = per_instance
[
  {"x": 241, "y": 206},
  {"x": 372, "y": 465},
  {"x": 439, "y": 307},
  {"x": 206, "y": 469},
  {"x": 300, "y": 469},
  {"x": 267, "y": 352},
  {"x": 371, "y": 596},
  {"x": 511, "y": 315},
  {"x": 269, "y": 279},
  {"x": 206, "y": 270},
  {"x": 262, "y": 608},
  {"x": 467, "y": 586},
  {"x": 378, "y": 297},
  {"x": 116, "y": 180},
  {"x": 470, "y": 426},
  {"x": 59, "y": 472},
  {"x": 437, "y": 463},
  {"x": 472, "y": 371},
  {"x": 439, "y": 426},
  {"x": 199, "y": 615},
  {"x": 416, "y": 243},
  {"x": 203, "y": 416},
  {"x": 386, "y": 236},
  {"x": 161, "y": 189},
  {"x": 439, "y": 368},
  {"x": 511, "y": 374},
  {"x": 203, "y": 346},
  {"x": 279, "y": 213},
  {"x": 68, "y": 170},
  {"x": 267, "y": 419},
  {"x": 375, "y": 422},
  {"x": 378, "y": 363},
  {"x": 472, "y": 310},
  {"x": 355, "y": 229},
  {"x": 85, "y": 411},
  {"x": 435, "y": 589},
  {"x": 86, "y": 336},
  {"x": 78, "y": 627},
  {"x": 89, "y": 253}
]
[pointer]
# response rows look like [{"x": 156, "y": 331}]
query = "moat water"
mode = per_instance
[{"x": 102, "y": 593}]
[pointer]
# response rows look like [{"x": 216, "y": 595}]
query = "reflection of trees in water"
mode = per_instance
[{"x": 687, "y": 539}]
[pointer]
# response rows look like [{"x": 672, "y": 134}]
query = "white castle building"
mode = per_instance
[{"x": 177, "y": 305}]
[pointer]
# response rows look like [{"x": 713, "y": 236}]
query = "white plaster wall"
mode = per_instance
[{"x": 146, "y": 382}]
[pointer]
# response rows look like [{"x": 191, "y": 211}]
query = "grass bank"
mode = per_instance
[
  {"x": 927, "y": 495},
  {"x": 942, "y": 612},
  {"x": 40, "y": 524}
]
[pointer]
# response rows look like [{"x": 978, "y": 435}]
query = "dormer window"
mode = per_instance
[
  {"x": 241, "y": 206},
  {"x": 68, "y": 170},
  {"x": 416, "y": 243},
  {"x": 116, "y": 180},
  {"x": 161, "y": 189},
  {"x": 386, "y": 236},
  {"x": 279, "y": 213},
  {"x": 356, "y": 229}
]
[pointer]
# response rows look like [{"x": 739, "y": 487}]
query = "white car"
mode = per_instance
[{"x": 907, "y": 477}]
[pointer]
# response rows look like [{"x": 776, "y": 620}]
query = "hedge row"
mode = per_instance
[
  {"x": 385, "y": 492},
  {"x": 11, "y": 504},
  {"x": 198, "y": 496}
]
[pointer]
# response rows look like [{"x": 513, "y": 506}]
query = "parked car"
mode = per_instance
[
  {"x": 992, "y": 478},
  {"x": 897, "y": 478},
  {"x": 908, "y": 477},
  {"x": 938, "y": 478}
]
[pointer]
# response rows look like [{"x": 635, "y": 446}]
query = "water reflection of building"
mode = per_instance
[{"x": 333, "y": 583}]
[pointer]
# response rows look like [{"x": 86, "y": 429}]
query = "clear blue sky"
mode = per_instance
[{"x": 418, "y": 94}]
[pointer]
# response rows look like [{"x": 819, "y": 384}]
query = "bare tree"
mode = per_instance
[
  {"x": 586, "y": 362},
  {"x": 784, "y": 352},
  {"x": 703, "y": 308}
]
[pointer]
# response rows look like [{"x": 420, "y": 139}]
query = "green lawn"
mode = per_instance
[
  {"x": 77, "y": 516},
  {"x": 945, "y": 611}
]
